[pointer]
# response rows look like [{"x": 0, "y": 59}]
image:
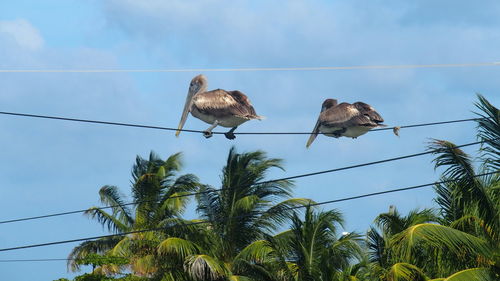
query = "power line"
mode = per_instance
[
  {"x": 204, "y": 222},
  {"x": 200, "y": 131},
  {"x": 99, "y": 122},
  {"x": 372, "y": 130},
  {"x": 53, "y": 259},
  {"x": 254, "y": 69},
  {"x": 35, "y": 260},
  {"x": 375, "y": 162},
  {"x": 263, "y": 182}
]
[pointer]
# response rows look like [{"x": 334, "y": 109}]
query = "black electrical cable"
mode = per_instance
[
  {"x": 263, "y": 182},
  {"x": 203, "y": 222},
  {"x": 199, "y": 131}
]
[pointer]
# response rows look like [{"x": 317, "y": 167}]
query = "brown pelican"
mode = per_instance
[
  {"x": 345, "y": 119},
  {"x": 217, "y": 107}
]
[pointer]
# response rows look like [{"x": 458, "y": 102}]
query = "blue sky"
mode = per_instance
[{"x": 52, "y": 166}]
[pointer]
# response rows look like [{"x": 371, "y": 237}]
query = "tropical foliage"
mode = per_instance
[
  {"x": 158, "y": 202},
  {"x": 250, "y": 228}
]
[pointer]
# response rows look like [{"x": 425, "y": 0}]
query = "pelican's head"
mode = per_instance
[
  {"x": 369, "y": 112},
  {"x": 198, "y": 84},
  {"x": 328, "y": 103}
]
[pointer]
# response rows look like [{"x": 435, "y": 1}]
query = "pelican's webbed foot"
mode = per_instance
[
  {"x": 338, "y": 133},
  {"x": 207, "y": 134},
  {"x": 230, "y": 135}
]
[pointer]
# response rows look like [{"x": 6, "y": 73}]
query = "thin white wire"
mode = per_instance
[{"x": 319, "y": 68}]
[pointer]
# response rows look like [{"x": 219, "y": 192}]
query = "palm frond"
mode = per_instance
[
  {"x": 458, "y": 163},
  {"x": 144, "y": 265},
  {"x": 405, "y": 272},
  {"x": 246, "y": 204},
  {"x": 173, "y": 162},
  {"x": 260, "y": 251},
  {"x": 464, "y": 246},
  {"x": 178, "y": 247},
  {"x": 174, "y": 205},
  {"x": 376, "y": 247},
  {"x": 112, "y": 223},
  {"x": 476, "y": 226},
  {"x": 204, "y": 267},
  {"x": 110, "y": 196},
  {"x": 122, "y": 248},
  {"x": 489, "y": 132},
  {"x": 283, "y": 211},
  {"x": 449, "y": 206},
  {"x": 183, "y": 183},
  {"x": 90, "y": 247},
  {"x": 239, "y": 278},
  {"x": 468, "y": 193},
  {"x": 393, "y": 222},
  {"x": 347, "y": 247},
  {"x": 476, "y": 274}
]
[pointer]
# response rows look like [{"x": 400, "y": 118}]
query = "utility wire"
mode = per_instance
[
  {"x": 100, "y": 122},
  {"x": 263, "y": 182},
  {"x": 204, "y": 222},
  {"x": 372, "y": 130},
  {"x": 35, "y": 260},
  {"x": 199, "y": 131},
  {"x": 54, "y": 259},
  {"x": 253, "y": 69}
]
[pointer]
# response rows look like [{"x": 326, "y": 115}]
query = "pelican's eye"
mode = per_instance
[{"x": 366, "y": 114}]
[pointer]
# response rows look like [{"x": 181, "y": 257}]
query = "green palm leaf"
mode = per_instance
[
  {"x": 204, "y": 267},
  {"x": 458, "y": 163},
  {"x": 473, "y": 274},
  {"x": 108, "y": 220},
  {"x": 153, "y": 185},
  {"x": 405, "y": 272},
  {"x": 260, "y": 251},
  {"x": 177, "y": 246},
  {"x": 246, "y": 203},
  {"x": 110, "y": 196},
  {"x": 489, "y": 131},
  {"x": 122, "y": 248},
  {"x": 88, "y": 247},
  {"x": 283, "y": 211},
  {"x": 461, "y": 244},
  {"x": 468, "y": 194},
  {"x": 239, "y": 278}
]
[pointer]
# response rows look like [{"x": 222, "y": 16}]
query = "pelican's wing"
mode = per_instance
[
  {"x": 340, "y": 115},
  {"x": 347, "y": 115},
  {"x": 222, "y": 103}
]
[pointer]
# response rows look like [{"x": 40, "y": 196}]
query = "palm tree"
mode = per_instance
[
  {"x": 384, "y": 265},
  {"x": 243, "y": 210},
  {"x": 488, "y": 131},
  {"x": 467, "y": 245},
  {"x": 158, "y": 202},
  {"x": 311, "y": 250}
]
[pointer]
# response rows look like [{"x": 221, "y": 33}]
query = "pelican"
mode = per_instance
[
  {"x": 345, "y": 119},
  {"x": 217, "y": 107}
]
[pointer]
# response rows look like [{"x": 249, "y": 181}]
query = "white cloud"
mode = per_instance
[
  {"x": 291, "y": 33},
  {"x": 23, "y": 32},
  {"x": 227, "y": 32}
]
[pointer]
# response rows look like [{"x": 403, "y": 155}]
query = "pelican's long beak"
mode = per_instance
[
  {"x": 185, "y": 112},
  {"x": 314, "y": 134}
]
